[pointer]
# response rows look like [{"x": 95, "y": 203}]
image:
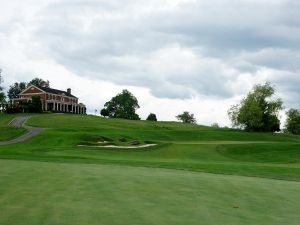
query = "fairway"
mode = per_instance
[
  {"x": 51, "y": 193},
  {"x": 192, "y": 175}
]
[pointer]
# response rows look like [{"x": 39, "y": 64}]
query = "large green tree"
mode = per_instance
[
  {"x": 186, "y": 117},
  {"x": 39, "y": 82},
  {"x": 258, "y": 111},
  {"x": 292, "y": 124},
  {"x": 15, "y": 89},
  {"x": 123, "y": 106}
]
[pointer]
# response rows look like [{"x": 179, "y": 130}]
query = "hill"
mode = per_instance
[{"x": 67, "y": 175}]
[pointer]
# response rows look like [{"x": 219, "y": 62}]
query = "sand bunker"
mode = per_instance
[{"x": 114, "y": 146}]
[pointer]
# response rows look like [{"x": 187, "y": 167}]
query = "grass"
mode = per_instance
[
  {"x": 7, "y": 133},
  {"x": 51, "y": 193},
  {"x": 162, "y": 184},
  {"x": 180, "y": 146}
]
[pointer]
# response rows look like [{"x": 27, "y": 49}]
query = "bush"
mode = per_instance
[{"x": 152, "y": 117}]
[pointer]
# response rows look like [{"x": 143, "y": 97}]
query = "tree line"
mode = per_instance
[
  {"x": 32, "y": 106},
  {"x": 258, "y": 111}
]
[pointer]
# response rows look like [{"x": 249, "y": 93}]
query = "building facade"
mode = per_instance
[{"x": 53, "y": 99}]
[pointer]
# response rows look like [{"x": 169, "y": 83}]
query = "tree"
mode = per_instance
[
  {"x": 39, "y": 82},
  {"x": 152, "y": 117},
  {"x": 2, "y": 94},
  {"x": 186, "y": 117},
  {"x": 15, "y": 89},
  {"x": 122, "y": 105},
  {"x": 257, "y": 111},
  {"x": 104, "y": 112},
  {"x": 1, "y": 80},
  {"x": 292, "y": 124},
  {"x": 35, "y": 105},
  {"x": 215, "y": 125}
]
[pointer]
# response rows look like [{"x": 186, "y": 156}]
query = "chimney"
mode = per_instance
[{"x": 69, "y": 90}]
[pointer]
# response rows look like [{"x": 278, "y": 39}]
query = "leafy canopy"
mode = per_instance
[
  {"x": 257, "y": 111},
  {"x": 2, "y": 94},
  {"x": 15, "y": 89},
  {"x": 122, "y": 106},
  {"x": 39, "y": 82},
  {"x": 292, "y": 124},
  {"x": 186, "y": 117},
  {"x": 35, "y": 105},
  {"x": 152, "y": 117}
]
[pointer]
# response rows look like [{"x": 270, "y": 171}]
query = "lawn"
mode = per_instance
[
  {"x": 59, "y": 193},
  {"x": 250, "y": 178},
  {"x": 7, "y": 133}
]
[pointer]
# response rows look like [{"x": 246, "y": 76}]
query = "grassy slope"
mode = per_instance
[
  {"x": 7, "y": 133},
  {"x": 58, "y": 193},
  {"x": 115, "y": 189},
  {"x": 181, "y": 146}
]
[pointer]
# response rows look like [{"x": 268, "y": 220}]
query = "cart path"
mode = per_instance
[{"x": 20, "y": 122}]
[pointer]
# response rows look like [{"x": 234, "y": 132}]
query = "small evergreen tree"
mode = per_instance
[
  {"x": 152, "y": 117},
  {"x": 35, "y": 105}
]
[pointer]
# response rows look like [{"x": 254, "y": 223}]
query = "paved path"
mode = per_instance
[{"x": 20, "y": 122}]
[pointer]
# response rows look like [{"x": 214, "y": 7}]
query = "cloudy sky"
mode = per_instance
[{"x": 174, "y": 55}]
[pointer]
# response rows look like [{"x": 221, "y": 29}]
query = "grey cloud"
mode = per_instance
[{"x": 215, "y": 42}]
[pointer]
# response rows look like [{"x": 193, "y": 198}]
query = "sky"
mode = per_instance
[{"x": 200, "y": 56}]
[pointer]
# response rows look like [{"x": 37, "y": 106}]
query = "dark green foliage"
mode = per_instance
[
  {"x": 14, "y": 109},
  {"x": 15, "y": 89},
  {"x": 215, "y": 125},
  {"x": 104, "y": 112},
  {"x": 39, "y": 82},
  {"x": 152, "y": 117},
  {"x": 122, "y": 106},
  {"x": 1, "y": 80},
  {"x": 257, "y": 112},
  {"x": 186, "y": 117},
  {"x": 293, "y": 122},
  {"x": 2, "y": 94},
  {"x": 35, "y": 105}
]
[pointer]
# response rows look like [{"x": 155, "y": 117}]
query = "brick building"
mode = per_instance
[{"x": 53, "y": 99}]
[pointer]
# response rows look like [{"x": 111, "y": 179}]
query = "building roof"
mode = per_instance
[{"x": 55, "y": 91}]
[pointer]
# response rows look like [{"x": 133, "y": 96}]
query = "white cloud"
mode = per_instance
[{"x": 200, "y": 56}]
